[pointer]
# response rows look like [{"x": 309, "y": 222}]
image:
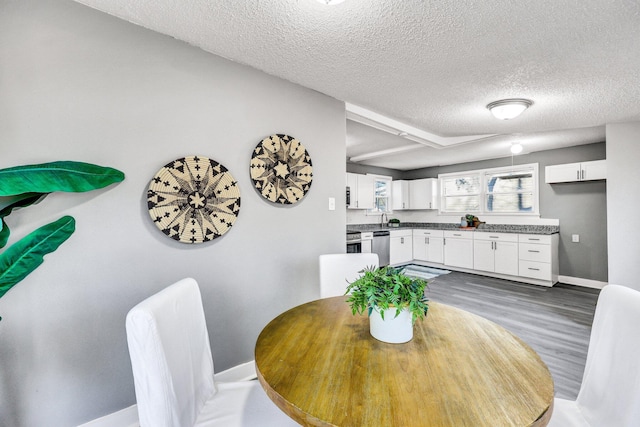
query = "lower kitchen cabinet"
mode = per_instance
[
  {"x": 400, "y": 246},
  {"x": 530, "y": 258},
  {"x": 538, "y": 257},
  {"x": 458, "y": 248},
  {"x": 428, "y": 245},
  {"x": 496, "y": 252}
]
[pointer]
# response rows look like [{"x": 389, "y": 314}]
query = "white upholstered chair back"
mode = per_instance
[
  {"x": 170, "y": 356},
  {"x": 173, "y": 368},
  {"x": 610, "y": 391},
  {"x": 337, "y": 270}
]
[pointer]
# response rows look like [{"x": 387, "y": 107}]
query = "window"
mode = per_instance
[
  {"x": 509, "y": 190},
  {"x": 461, "y": 193},
  {"x": 381, "y": 195}
]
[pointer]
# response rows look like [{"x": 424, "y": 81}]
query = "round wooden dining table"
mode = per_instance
[{"x": 320, "y": 365}]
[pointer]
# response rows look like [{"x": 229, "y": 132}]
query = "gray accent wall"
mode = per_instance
[
  {"x": 581, "y": 207},
  {"x": 77, "y": 84},
  {"x": 362, "y": 169}
]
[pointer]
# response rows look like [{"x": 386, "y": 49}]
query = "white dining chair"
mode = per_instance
[
  {"x": 173, "y": 368},
  {"x": 337, "y": 270},
  {"x": 610, "y": 391}
]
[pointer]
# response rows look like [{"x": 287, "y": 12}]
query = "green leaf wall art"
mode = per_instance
[{"x": 23, "y": 186}]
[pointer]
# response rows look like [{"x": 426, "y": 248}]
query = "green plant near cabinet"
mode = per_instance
[
  {"x": 388, "y": 288},
  {"x": 23, "y": 186}
]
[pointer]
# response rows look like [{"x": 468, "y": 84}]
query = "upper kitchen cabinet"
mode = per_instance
[
  {"x": 400, "y": 195},
  {"x": 415, "y": 194},
  {"x": 360, "y": 191},
  {"x": 572, "y": 172},
  {"x": 423, "y": 193}
]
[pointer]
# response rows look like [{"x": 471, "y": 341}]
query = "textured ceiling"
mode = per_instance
[{"x": 433, "y": 65}]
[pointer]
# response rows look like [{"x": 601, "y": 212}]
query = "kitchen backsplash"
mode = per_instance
[{"x": 357, "y": 216}]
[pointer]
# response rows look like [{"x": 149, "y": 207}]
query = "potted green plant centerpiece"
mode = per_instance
[
  {"x": 393, "y": 301},
  {"x": 394, "y": 222}
]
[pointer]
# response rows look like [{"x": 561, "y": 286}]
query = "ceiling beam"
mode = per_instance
[
  {"x": 383, "y": 153},
  {"x": 395, "y": 127}
]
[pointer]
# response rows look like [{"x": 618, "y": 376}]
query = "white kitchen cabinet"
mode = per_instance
[
  {"x": 361, "y": 191},
  {"x": 400, "y": 195},
  {"x": 428, "y": 245},
  {"x": 415, "y": 194},
  {"x": 538, "y": 257},
  {"x": 572, "y": 172},
  {"x": 400, "y": 246},
  {"x": 496, "y": 252},
  {"x": 366, "y": 239},
  {"x": 423, "y": 193},
  {"x": 458, "y": 248}
]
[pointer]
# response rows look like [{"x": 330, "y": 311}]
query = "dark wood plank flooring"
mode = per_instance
[{"x": 555, "y": 322}]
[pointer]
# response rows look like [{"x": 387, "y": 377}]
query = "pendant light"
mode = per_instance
[
  {"x": 330, "y": 2},
  {"x": 506, "y": 109},
  {"x": 516, "y": 148}
]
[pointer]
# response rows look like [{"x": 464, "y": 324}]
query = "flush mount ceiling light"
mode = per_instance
[
  {"x": 506, "y": 109},
  {"x": 516, "y": 148},
  {"x": 330, "y": 2}
]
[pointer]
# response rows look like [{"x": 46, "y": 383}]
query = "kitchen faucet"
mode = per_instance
[{"x": 383, "y": 219}]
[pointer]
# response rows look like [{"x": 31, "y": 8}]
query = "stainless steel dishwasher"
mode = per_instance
[{"x": 380, "y": 246}]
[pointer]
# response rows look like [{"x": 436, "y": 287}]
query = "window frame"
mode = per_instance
[
  {"x": 388, "y": 180},
  {"x": 483, "y": 175}
]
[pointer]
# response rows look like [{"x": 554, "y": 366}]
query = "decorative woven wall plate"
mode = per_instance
[
  {"x": 281, "y": 169},
  {"x": 193, "y": 199}
]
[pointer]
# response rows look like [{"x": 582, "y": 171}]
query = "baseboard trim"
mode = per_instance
[
  {"x": 587, "y": 283},
  {"x": 127, "y": 417},
  {"x": 243, "y": 372}
]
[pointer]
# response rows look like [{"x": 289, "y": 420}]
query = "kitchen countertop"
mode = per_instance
[{"x": 496, "y": 228}]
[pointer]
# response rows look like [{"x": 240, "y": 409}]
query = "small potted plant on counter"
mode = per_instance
[
  {"x": 394, "y": 222},
  {"x": 393, "y": 301}
]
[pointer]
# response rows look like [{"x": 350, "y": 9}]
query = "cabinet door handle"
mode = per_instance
[
  {"x": 494, "y": 237},
  {"x": 536, "y": 252},
  {"x": 444, "y": 241},
  {"x": 459, "y": 235},
  {"x": 532, "y": 239},
  {"x": 534, "y": 269},
  {"x": 578, "y": 174},
  {"x": 582, "y": 173},
  {"x": 402, "y": 240}
]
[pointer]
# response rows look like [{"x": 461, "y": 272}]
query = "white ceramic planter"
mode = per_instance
[{"x": 394, "y": 330}]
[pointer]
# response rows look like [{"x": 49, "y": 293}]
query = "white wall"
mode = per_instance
[
  {"x": 623, "y": 203},
  {"x": 80, "y": 85}
]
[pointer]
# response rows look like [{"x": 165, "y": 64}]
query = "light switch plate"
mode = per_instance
[
  {"x": 575, "y": 238},
  {"x": 332, "y": 203}
]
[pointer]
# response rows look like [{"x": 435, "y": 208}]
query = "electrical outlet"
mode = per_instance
[
  {"x": 332, "y": 203},
  {"x": 575, "y": 238}
]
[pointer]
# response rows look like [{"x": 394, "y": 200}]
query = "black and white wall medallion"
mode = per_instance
[
  {"x": 281, "y": 169},
  {"x": 193, "y": 199}
]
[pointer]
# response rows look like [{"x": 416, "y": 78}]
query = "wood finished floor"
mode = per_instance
[{"x": 555, "y": 322}]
